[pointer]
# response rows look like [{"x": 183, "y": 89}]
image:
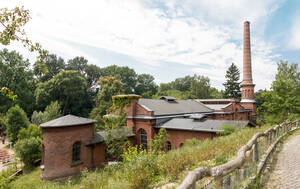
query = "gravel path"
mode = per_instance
[{"x": 286, "y": 173}]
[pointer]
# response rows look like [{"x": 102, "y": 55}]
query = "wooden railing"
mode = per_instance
[{"x": 247, "y": 165}]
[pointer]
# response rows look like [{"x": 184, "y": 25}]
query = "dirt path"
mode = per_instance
[{"x": 286, "y": 173}]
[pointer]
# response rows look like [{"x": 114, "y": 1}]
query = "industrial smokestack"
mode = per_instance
[{"x": 247, "y": 70}]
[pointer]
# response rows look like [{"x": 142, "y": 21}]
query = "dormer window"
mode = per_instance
[{"x": 168, "y": 98}]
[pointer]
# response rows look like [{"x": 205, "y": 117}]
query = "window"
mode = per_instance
[
  {"x": 169, "y": 146},
  {"x": 143, "y": 139},
  {"x": 76, "y": 152}
]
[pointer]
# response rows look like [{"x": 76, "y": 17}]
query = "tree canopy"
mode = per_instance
[{"x": 232, "y": 84}]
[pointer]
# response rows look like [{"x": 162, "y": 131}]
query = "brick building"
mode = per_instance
[{"x": 70, "y": 143}]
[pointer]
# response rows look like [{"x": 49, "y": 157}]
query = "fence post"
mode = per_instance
[
  {"x": 219, "y": 182},
  {"x": 255, "y": 151},
  {"x": 270, "y": 137}
]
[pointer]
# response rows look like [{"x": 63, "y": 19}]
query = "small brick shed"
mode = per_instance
[{"x": 68, "y": 147}]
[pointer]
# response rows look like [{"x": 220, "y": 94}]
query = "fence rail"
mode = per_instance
[{"x": 247, "y": 165}]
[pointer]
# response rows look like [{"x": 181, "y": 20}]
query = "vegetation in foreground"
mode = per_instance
[{"x": 146, "y": 170}]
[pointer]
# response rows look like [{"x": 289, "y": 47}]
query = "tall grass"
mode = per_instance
[{"x": 149, "y": 170}]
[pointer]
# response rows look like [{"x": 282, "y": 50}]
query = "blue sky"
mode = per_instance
[{"x": 168, "y": 39}]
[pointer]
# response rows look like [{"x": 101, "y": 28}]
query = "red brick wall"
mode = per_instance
[
  {"x": 178, "y": 137},
  {"x": 58, "y": 144},
  {"x": 147, "y": 126},
  {"x": 99, "y": 154}
]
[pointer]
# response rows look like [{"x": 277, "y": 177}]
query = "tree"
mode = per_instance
[
  {"x": 37, "y": 117},
  {"x": 12, "y": 22},
  {"x": 182, "y": 84},
  {"x": 158, "y": 144},
  {"x": 92, "y": 75},
  {"x": 16, "y": 77},
  {"x": 77, "y": 63},
  {"x": 200, "y": 87},
  {"x": 29, "y": 151},
  {"x": 69, "y": 89},
  {"x": 283, "y": 101},
  {"x": 109, "y": 86},
  {"x": 52, "y": 111},
  {"x": 16, "y": 119},
  {"x": 145, "y": 85},
  {"x": 125, "y": 75},
  {"x": 54, "y": 66},
  {"x": 31, "y": 131},
  {"x": 232, "y": 84}
]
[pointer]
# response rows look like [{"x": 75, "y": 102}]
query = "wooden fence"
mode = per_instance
[{"x": 245, "y": 168}]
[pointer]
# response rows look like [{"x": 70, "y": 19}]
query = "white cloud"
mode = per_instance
[{"x": 189, "y": 33}]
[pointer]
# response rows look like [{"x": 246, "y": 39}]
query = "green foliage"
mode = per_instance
[
  {"x": 29, "y": 150},
  {"x": 37, "y": 117},
  {"x": 31, "y": 131},
  {"x": 200, "y": 87},
  {"x": 227, "y": 130},
  {"x": 16, "y": 119},
  {"x": 110, "y": 86},
  {"x": 54, "y": 66},
  {"x": 220, "y": 158},
  {"x": 52, "y": 111},
  {"x": 145, "y": 85},
  {"x": 158, "y": 144},
  {"x": 13, "y": 22},
  {"x": 284, "y": 98},
  {"x": 16, "y": 80},
  {"x": 69, "y": 88},
  {"x": 232, "y": 84}
]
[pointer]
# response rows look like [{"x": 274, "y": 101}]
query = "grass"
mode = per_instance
[{"x": 149, "y": 170}]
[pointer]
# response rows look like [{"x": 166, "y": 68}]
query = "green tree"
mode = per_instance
[
  {"x": 69, "y": 89},
  {"x": 92, "y": 74},
  {"x": 54, "y": 66},
  {"x": 158, "y": 144},
  {"x": 31, "y": 131},
  {"x": 109, "y": 86},
  {"x": 232, "y": 84},
  {"x": 52, "y": 111},
  {"x": 283, "y": 101},
  {"x": 200, "y": 87},
  {"x": 16, "y": 119},
  {"x": 29, "y": 151},
  {"x": 77, "y": 63},
  {"x": 182, "y": 84},
  {"x": 125, "y": 75},
  {"x": 17, "y": 77},
  {"x": 146, "y": 86},
  {"x": 37, "y": 117},
  {"x": 13, "y": 22}
]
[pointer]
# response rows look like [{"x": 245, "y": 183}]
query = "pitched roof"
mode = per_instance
[
  {"x": 162, "y": 107},
  {"x": 117, "y": 133},
  {"x": 205, "y": 126},
  {"x": 67, "y": 121},
  {"x": 217, "y": 106}
]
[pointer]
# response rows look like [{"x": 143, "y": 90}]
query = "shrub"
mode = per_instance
[
  {"x": 29, "y": 150},
  {"x": 37, "y": 117},
  {"x": 31, "y": 131},
  {"x": 15, "y": 120},
  {"x": 51, "y": 112},
  {"x": 227, "y": 130},
  {"x": 159, "y": 142}
]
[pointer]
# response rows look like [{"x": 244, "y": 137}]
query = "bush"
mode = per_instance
[
  {"x": 16, "y": 119},
  {"x": 51, "y": 112},
  {"x": 227, "y": 130},
  {"x": 31, "y": 131},
  {"x": 29, "y": 151},
  {"x": 37, "y": 117}
]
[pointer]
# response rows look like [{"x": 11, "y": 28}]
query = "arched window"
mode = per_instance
[
  {"x": 143, "y": 139},
  {"x": 169, "y": 146},
  {"x": 76, "y": 152}
]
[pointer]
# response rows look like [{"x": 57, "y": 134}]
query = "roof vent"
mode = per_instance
[
  {"x": 197, "y": 117},
  {"x": 168, "y": 98}
]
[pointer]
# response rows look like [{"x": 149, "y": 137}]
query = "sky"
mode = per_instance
[{"x": 167, "y": 39}]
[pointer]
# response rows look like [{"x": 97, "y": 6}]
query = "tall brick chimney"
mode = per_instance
[{"x": 247, "y": 85}]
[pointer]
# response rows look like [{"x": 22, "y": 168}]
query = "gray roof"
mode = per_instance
[
  {"x": 162, "y": 107},
  {"x": 117, "y": 133},
  {"x": 216, "y": 100},
  {"x": 206, "y": 126},
  {"x": 67, "y": 121},
  {"x": 217, "y": 106}
]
